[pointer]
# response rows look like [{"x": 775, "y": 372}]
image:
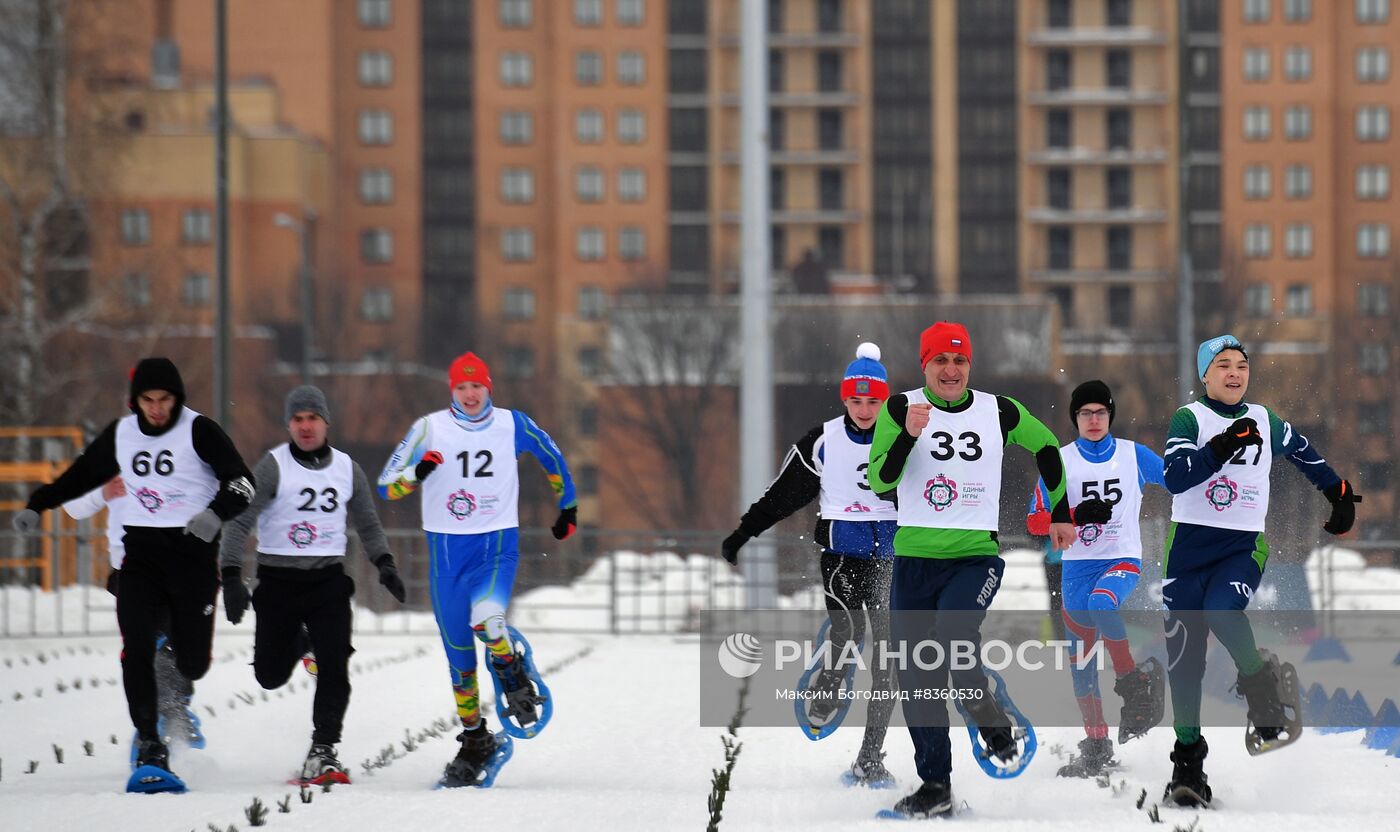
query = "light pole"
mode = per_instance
[{"x": 302, "y": 228}]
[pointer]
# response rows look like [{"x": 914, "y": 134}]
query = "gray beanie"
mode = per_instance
[{"x": 308, "y": 398}]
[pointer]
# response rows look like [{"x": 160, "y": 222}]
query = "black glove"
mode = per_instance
[
  {"x": 235, "y": 594},
  {"x": 428, "y": 464},
  {"x": 1240, "y": 434},
  {"x": 565, "y": 523},
  {"x": 389, "y": 577},
  {"x": 26, "y": 521},
  {"x": 1343, "y": 499},
  {"x": 1092, "y": 511},
  {"x": 729, "y": 549},
  {"x": 113, "y": 581}
]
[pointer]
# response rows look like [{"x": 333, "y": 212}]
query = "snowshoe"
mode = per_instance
[
  {"x": 1003, "y": 740},
  {"x": 1188, "y": 787},
  {"x": 1275, "y": 706},
  {"x": 1144, "y": 693},
  {"x": 869, "y": 770},
  {"x": 520, "y": 691},
  {"x": 151, "y": 772},
  {"x": 821, "y": 712},
  {"x": 1094, "y": 758},
  {"x": 933, "y": 799},
  {"x": 480, "y": 759},
  {"x": 321, "y": 767}
]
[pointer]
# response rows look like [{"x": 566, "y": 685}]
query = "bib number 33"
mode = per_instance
[{"x": 967, "y": 445}]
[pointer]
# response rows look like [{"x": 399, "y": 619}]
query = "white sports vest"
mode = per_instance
[
  {"x": 165, "y": 479},
  {"x": 952, "y": 479},
  {"x": 477, "y": 487},
  {"x": 307, "y": 517},
  {"x": 1236, "y": 496},
  {"x": 1114, "y": 480},
  {"x": 845, "y": 494}
]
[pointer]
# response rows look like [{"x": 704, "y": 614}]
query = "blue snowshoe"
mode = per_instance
[
  {"x": 1003, "y": 740},
  {"x": 520, "y": 691},
  {"x": 820, "y": 706},
  {"x": 480, "y": 759},
  {"x": 151, "y": 772}
]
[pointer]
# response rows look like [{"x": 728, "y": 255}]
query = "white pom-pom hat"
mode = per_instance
[{"x": 866, "y": 376}]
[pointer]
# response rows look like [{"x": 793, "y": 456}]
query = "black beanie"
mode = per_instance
[
  {"x": 1090, "y": 392},
  {"x": 156, "y": 374}
]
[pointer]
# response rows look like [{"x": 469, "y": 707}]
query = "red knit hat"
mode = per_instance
[
  {"x": 944, "y": 336},
  {"x": 468, "y": 367}
]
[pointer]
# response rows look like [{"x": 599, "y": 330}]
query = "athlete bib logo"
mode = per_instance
[
  {"x": 302, "y": 534},
  {"x": 1089, "y": 533},
  {"x": 1221, "y": 493},
  {"x": 857, "y": 508},
  {"x": 461, "y": 505},
  {"x": 940, "y": 492},
  {"x": 149, "y": 500}
]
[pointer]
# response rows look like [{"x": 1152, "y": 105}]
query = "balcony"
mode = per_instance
[
  {"x": 800, "y": 40},
  {"x": 1062, "y": 216},
  {"x": 800, "y": 157},
  {"x": 1053, "y": 276},
  {"x": 1096, "y": 156},
  {"x": 1098, "y": 36},
  {"x": 1101, "y": 96},
  {"x": 810, "y": 98},
  {"x": 803, "y": 216}
]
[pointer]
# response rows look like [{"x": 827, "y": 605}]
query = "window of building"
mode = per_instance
[
  {"x": 1120, "y": 128},
  {"x": 1373, "y": 123},
  {"x": 632, "y": 243},
  {"x": 1372, "y": 11},
  {"x": 1375, "y": 476},
  {"x": 631, "y": 68},
  {"x": 196, "y": 226},
  {"x": 376, "y": 127},
  {"x": 519, "y": 362},
  {"x": 1298, "y": 181},
  {"x": 1120, "y": 307},
  {"x": 1297, "y": 11},
  {"x": 1118, "y": 187},
  {"x": 375, "y": 14},
  {"x": 1058, "y": 185},
  {"x": 1059, "y": 246},
  {"x": 1118, "y": 69},
  {"x": 376, "y": 245},
  {"x": 829, "y": 15},
  {"x": 590, "y": 362},
  {"x": 588, "y": 68},
  {"x": 690, "y": 186},
  {"x": 515, "y": 14},
  {"x": 1256, "y": 11},
  {"x": 831, "y": 243},
  {"x": 136, "y": 226},
  {"x": 588, "y": 12},
  {"x": 831, "y": 189},
  {"x": 1297, "y": 123},
  {"x": 194, "y": 291},
  {"x": 1297, "y": 63},
  {"x": 1374, "y": 359},
  {"x": 1257, "y": 182},
  {"x": 831, "y": 133},
  {"x": 1256, "y": 123},
  {"x": 588, "y": 126},
  {"x": 1118, "y": 12},
  {"x": 1258, "y": 240},
  {"x": 592, "y": 303},
  {"x": 829, "y": 71},
  {"x": 777, "y": 248},
  {"x": 517, "y": 69},
  {"x": 588, "y": 184},
  {"x": 1203, "y": 240},
  {"x": 1119, "y": 243},
  {"x": 137, "y": 289},
  {"x": 517, "y": 127},
  {"x": 686, "y": 70},
  {"x": 776, "y": 63},
  {"x": 1373, "y": 182},
  {"x": 587, "y": 420},
  {"x": 519, "y": 304},
  {"x": 590, "y": 243},
  {"x": 1373, "y": 240},
  {"x": 777, "y": 188},
  {"x": 1058, "y": 69},
  {"x": 1372, "y": 64},
  {"x": 517, "y": 185},
  {"x": 1373, "y": 418},
  {"x": 1298, "y": 241},
  {"x": 1259, "y": 300},
  {"x": 631, "y": 127},
  {"x": 1058, "y": 128},
  {"x": 631, "y": 12},
  {"x": 632, "y": 184},
  {"x": 376, "y": 186},
  {"x": 377, "y": 304},
  {"x": 587, "y": 474},
  {"x": 1064, "y": 301},
  {"x": 517, "y": 245},
  {"x": 1256, "y": 63},
  {"x": 1373, "y": 299},
  {"x": 376, "y": 69},
  {"x": 1059, "y": 14}
]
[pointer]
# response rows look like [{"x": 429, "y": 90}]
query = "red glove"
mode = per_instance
[{"x": 1038, "y": 524}]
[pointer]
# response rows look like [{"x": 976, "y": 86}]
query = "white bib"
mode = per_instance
[
  {"x": 1236, "y": 496},
  {"x": 307, "y": 517},
  {"x": 166, "y": 480},
  {"x": 845, "y": 493},
  {"x": 1114, "y": 480},
  {"x": 477, "y": 487},
  {"x": 952, "y": 479}
]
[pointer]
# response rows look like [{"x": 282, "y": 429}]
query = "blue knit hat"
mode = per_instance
[
  {"x": 1210, "y": 349},
  {"x": 866, "y": 376}
]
